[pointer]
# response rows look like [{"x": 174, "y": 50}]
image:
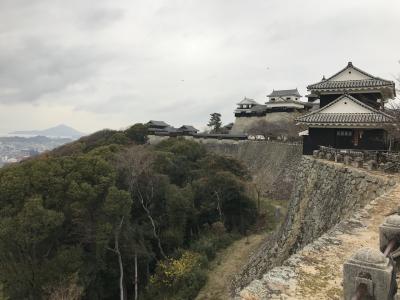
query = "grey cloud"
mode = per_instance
[
  {"x": 129, "y": 57},
  {"x": 36, "y": 68},
  {"x": 101, "y": 18}
]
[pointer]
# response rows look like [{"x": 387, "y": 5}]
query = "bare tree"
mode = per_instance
[
  {"x": 283, "y": 129},
  {"x": 118, "y": 253},
  {"x": 136, "y": 276},
  {"x": 393, "y": 128},
  {"x": 136, "y": 161}
]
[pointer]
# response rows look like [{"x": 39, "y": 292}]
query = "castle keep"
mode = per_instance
[{"x": 351, "y": 113}]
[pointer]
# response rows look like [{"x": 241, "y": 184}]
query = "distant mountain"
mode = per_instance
[{"x": 57, "y": 131}]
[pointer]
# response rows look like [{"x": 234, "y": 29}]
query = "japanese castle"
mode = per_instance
[
  {"x": 278, "y": 101},
  {"x": 351, "y": 113}
]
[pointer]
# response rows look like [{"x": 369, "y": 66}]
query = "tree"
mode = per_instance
[
  {"x": 117, "y": 207},
  {"x": 136, "y": 165},
  {"x": 215, "y": 122},
  {"x": 28, "y": 264},
  {"x": 137, "y": 133},
  {"x": 282, "y": 129}
]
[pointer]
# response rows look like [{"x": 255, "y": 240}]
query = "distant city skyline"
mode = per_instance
[{"x": 110, "y": 64}]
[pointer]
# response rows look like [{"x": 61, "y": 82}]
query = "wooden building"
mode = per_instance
[
  {"x": 351, "y": 113},
  {"x": 279, "y": 101}
]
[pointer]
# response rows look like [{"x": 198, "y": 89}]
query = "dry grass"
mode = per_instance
[{"x": 227, "y": 263}]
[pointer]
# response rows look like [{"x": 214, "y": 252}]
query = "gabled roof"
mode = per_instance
[
  {"x": 368, "y": 116},
  {"x": 228, "y": 126},
  {"x": 188, "y": 128},
  {"x": 157, "y": 123},
  {"x": 247, "y": 101},
  {"x": 369, "y": 81},
  {"x": 283, "y": 93}
]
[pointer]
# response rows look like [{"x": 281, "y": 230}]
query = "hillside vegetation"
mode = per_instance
[{"x": 108, "y": 217}]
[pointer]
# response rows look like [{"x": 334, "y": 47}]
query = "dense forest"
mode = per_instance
[{"x": 111, "y": 217}]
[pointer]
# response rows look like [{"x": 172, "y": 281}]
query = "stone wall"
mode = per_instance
[
  {"x": 324, "y": 193},
  {"x": 243, "y": 124},
  {"x": 273, "y": 165}
]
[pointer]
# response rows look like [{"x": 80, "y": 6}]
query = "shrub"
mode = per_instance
[{"x": 179, "y": 278}]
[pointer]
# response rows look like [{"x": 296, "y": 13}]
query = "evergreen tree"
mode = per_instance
[{"x": 215, "y": 122}]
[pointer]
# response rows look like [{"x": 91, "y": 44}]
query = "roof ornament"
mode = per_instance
[
  {"x": 350, "y": 64},
  {"x": 323, "y": 78}
]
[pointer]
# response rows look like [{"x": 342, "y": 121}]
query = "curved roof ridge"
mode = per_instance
[
  {"x": 373, "y": 110},
  {"x": 350, "y": 65}
]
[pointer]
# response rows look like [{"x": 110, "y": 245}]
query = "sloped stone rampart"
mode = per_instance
[{"x": 324, "y": 194}]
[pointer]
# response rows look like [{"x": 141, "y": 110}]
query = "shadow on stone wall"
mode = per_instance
[{"x": 324, "y": 193}]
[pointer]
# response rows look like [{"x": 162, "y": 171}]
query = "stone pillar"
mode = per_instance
[
  {"x": 372, "y": 165},
  {"x": 339, "y": 157},
  {"x": 347, "y": 160},
  {"x": 329, "y": 156},
  {"x": 358, "y": 162},
  {"x": 389, "y": 230},
  {"x": 371, "y": 270}
]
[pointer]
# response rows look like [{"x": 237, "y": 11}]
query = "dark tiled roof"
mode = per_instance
[
  {"x": 348, "y": 84},
  {"x": 344, "y": 118},
  {"x": 373, "y": 81},
  {"x": 164, "y": 129},
  {"x": 319, "y": 117},
  {"x": 157, "y": 123},
  {"x": 228, "y": 126},
  {"x": 312, "y": 95},
  {"x": 282, "y": 93},
  {"x": 188, "y": 128}
]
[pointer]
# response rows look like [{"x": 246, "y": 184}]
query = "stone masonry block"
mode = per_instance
[
  {"x": 358, "y": 162},
  {"x": 339, "y": 158},
  {"x": 389, "y": 230},
  {"x": 372, "y": 165},
  {"x": 329, "y": 156},
  {"x": 347, "y": 160},
  {"x": 370, "y": 269}
]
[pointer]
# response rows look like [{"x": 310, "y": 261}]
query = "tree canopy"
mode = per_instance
[{"x": 107, "y": 216}]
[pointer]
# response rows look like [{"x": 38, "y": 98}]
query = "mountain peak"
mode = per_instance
[{"x": 60, "y": 130}]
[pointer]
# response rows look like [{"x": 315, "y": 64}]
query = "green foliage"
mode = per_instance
[
  {"x": 178, "y": 278},
  {"x": 215, "y": 122},
  {"x": 137, "y": 133},
  {"x": 210, "y": 242},
  {"x": 222, "y": 197},
  {"x": 61, "y": 215}
]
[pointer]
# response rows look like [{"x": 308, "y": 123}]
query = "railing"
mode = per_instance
[
  {"x": 358, "y": 282},
  {"x": 380, "y": 156}
]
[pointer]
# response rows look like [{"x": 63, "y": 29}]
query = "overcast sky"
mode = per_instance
[{"x": 111, "y": 63}]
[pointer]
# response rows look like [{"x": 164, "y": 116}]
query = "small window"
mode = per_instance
[
  {"x": 344, "y": 133},
  {"x": 287, "y": 98}
]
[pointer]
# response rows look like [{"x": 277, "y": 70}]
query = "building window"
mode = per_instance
[
  {"x": 287, "y": 98},
  {"x": 344, "y": 133}
]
